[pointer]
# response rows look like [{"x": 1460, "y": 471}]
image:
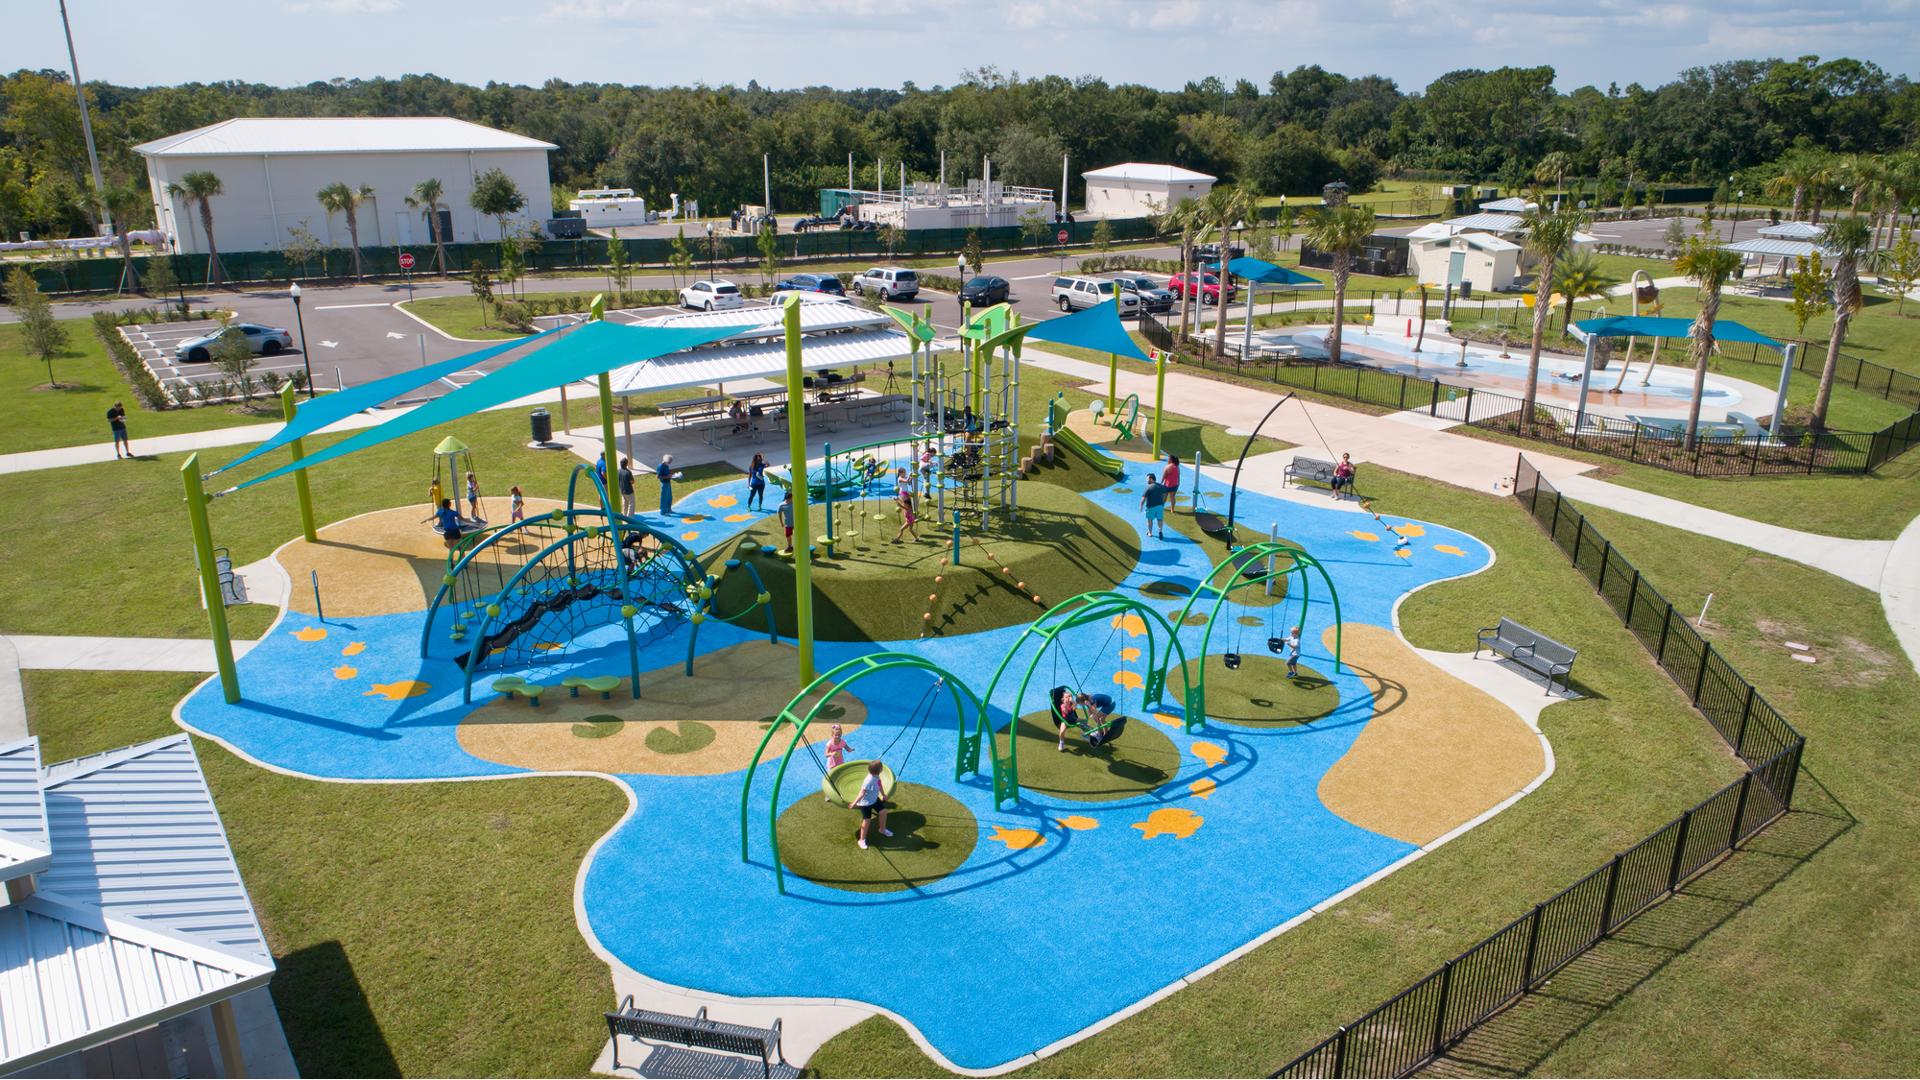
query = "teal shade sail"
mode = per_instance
[
  {"x": 1262, "y": 272},
  {"x": 587, "y": 350},
  {"x": 1664, "y": 327},
  {"x": 1097, "y": 328},
  {"x": 321, "y": 412}
]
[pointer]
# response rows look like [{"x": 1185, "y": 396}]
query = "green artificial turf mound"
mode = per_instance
[
  {"x": 598, "y": 727},
  {"x": 1259, "y": 694},
  {"x": 932, "y": 835},
  {"x": 871, "y": 589},
  {"x": 1140, "y": 760}
]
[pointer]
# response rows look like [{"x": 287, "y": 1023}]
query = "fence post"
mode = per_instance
[
  {"x": 1469, "y": 417},
  {"x": 1740, "y": 811},
  {"x": 1579, "y": 534},
  {"x": 1660, "y": 654},
  {"x": 1434, "y": 409},
  {"x": 1606, "y": 908},
  {"x": 1679, "y": 852},
  {"x": 1606, "y": 554},
  {"x": 1440, "y": 1014},
  {"x": 1633, "y": 593},
  {"x": 1340, "y": 1053},
  {"x": 1700, "y": 677},
  {"x": 1746, "y": 713},
  {"x": 1533, "y": 945},
  {"x": 1553, "y": 530}
]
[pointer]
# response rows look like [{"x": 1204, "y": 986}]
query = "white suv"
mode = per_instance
[
  {"x": 889, "y": 282},
  {"x": 711, "y": 296},
  {"x": 1080, "y": 293}
]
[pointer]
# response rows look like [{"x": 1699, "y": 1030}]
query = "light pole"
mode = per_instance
[
  {"x": 1738, "y": 198},
  {"x": 300, "y": 324},
  {"x": 709, "y": 250}
]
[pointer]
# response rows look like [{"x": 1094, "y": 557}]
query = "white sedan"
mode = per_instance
[{"x": 711, "y": 296}]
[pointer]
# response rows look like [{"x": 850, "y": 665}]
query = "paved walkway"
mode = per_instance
[{"x": 34, "y": 651}]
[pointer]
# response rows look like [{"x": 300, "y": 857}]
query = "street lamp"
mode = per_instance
[
  {"x": 709, "y": 250},
  {"x": 1738, "y": 196},
  {"x": 306, "y": 361}
]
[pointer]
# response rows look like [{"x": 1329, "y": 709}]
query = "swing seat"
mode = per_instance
[
  {"x": 1276, "y": 645},
  {"x": 1232, "y": 661},
  {"x": 1107, "y": 732},
  {"x": 842, "y": 783}
]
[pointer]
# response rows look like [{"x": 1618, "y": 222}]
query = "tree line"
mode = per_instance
[{"x": 1302, "y": 129}]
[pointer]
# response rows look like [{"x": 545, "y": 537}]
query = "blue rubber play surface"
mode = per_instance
[{"x": 1065, "y": 913}]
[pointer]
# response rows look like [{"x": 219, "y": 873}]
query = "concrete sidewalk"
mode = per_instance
[{"x": 34, "y": 651}]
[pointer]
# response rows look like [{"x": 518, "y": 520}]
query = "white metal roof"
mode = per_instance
[
  {"x": 818, "y": 314},
  {"x": 714, "y": 364},
  {"x": 1148, "y": 172},
  {"x": 24, "y": 847},
  {"x": 1515, "y": 205},
  {"x": 135, "y": 833},
  {"x": 1486, "y": 241},
  {"x": 1794, "y": 230},
  {"x": 1487, "y": 222},
  {"x": 336, "y": 135},
  {"x": 141, "y": 917},
  {"x": 1783, "y": 249}
]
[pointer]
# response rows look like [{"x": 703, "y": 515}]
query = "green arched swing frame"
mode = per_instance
[
  {"x": 1081, "y": 610},
  {"x": 1234, "y": 565},
  {"x": 837, "y": 682}
]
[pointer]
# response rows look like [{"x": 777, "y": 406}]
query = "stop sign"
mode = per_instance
[
  {"x": 1061, "y": 236},
  {"x": 406, "y": 260}
]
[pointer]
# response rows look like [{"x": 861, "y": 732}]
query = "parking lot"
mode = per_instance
[{"x": 157, "y": 345}]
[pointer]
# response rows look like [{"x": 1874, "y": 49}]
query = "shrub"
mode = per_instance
[{"x": 145, "y": 386}]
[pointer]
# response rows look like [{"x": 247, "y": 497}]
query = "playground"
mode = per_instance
[{"x": 1044, "y": 867}]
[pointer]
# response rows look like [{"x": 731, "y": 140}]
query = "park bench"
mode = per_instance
[
  {"x": 1530, "y": 649},
  {"x": 698, "y": 1033},
  {"x": 1302, "y": 469}
]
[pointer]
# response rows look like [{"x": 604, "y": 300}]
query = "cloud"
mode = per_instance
[{"x": 343, "y": 7}]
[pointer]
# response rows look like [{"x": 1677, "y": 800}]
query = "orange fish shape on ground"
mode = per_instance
[
  {"x": 1170, "y": 821},
  {"x": 309, "y": 633},
  {"x": 1211, "y": 753},
  {"x": 1078, "y": 823},
  {"x": 345, "y": 672},
  {"x": 398, "y": 691},
  {"x": 354, "y": 648},
  {"x": 1017, "y": 839},
  {"x": 1202, "y": 788}
]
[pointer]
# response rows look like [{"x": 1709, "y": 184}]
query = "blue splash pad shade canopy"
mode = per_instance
[
  {"x": 322, "y": 412},
  {"x": 1262, "y": 272},
  {"x": 1655, "y": 326},
  {"x": 1097, "y": 328},
  {"x": 586, "y": 350}
]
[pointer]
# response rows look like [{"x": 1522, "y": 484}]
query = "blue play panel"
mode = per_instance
[{"x": 1065, "y": 913}]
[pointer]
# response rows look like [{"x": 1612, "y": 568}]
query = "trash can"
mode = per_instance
[{"x": 542, "y": 424}]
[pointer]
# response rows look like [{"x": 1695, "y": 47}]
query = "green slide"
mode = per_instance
[{"x": 1077, "y": 446}]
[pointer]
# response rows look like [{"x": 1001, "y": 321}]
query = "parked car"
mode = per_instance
[
  {"x": 985, "y": 290},
  {"x": 889, "y": 283},
  {"x": 813, "y": 283},
  {"x": 711, "y": 296},
  {"x": 1211, "y": 252},
  {"x": 1152, "y": 296},
  {"x": 1207, "y": 285},
  {"x": 261, "y": 339},
  {"x": 1080, "y": 293}
]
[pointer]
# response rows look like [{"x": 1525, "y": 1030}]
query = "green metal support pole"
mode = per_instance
[
  {"x": 210, "y": 579},
  {"x": 1159, "y": 396},
  {"x": 797, "y": 448},
  {"x": 1113, "y": 383},
  {"x": 609, "y": 450},
  {"x": 301, "y": 491}
]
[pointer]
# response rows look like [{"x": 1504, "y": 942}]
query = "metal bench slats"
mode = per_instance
[
  {"x": 696, "y": 1031},
  {"x": 1528, "y": 648}
]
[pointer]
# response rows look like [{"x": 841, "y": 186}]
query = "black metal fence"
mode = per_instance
[
  {"x": 1417, "y": 1025},
  {"x": 1796, "y": 450}
]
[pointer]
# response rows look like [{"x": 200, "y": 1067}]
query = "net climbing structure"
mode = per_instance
[{"x": 520, "y": 595}]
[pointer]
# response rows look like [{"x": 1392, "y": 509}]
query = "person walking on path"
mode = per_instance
[
  {"x": 117, "y": 420},
  {"x": 1170, "y": 480},
  {"x": 757, "y": 483},
  {"x": 665, "y": 472},
  {"x": 1153, "y": 504},
  {"x": 516, "y": 504}
]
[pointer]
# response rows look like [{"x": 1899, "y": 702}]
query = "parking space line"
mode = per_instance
[{"x": 340, "y": 307}]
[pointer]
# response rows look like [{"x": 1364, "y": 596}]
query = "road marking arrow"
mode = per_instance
[
  {"x": 392, "y": 334},
  {"x": 329, "y": 344}
]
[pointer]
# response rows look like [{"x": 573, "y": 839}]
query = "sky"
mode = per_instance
[{"x": 859, "y": 43}]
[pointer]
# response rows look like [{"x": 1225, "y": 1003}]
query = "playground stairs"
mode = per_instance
[{"x": 1042, "y": 455}]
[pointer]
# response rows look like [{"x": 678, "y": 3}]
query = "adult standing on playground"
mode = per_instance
[
  {"x": 1170, "y": 479},
  {"x": 1153, "y": 503},
  {"x": 665, "y": 472},
  {"x": 757, "y": 483},
  {"x": 117, "y": 420},
  {"x": 627, "y": 502}
]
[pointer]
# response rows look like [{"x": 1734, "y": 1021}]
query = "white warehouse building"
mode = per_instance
[
  {"x": 1137, "y": 189},
  {"x": 271, "y": 167}
]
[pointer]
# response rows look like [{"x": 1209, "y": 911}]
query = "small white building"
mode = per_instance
[
  {"x": 608, "y": 208},
  {"x": 271, "y": 167},
  {"x": 1485, "y": 250},
  {"x": 1136, "y": 189}
]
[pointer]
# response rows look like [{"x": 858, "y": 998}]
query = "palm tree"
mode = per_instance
[
  {"x": 1709, "y": 267},
  {"x": 338, "y": 198},
  {"x": 1549, "y": 235},
  {"x": 1802, "y": 172},
  {"x": 122, "y": 203},
  {"x": 1847, "y": 238},
  {"x": 1579, "y": 278},
  {"x": 1339, "y": 231},
  {"x": 1226, "y": 207},
  {"x": 426, "y": 195},
  {"x": 1188, "y": 219},
  {"x": 1553, "y": 167},
  {"x": 201, "y": 187}
]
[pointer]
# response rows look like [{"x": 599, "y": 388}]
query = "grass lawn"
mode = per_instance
[
  {"x": 461, "y": 316},
  {"x": 39, "y": 418},
  {"x": 419, "y": 929},
  {"x": 1825, "y": 904},
  {"x": 1628, "y": 758}
]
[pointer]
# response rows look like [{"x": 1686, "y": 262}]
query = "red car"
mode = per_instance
[{"x": 1207, "y": 284}]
